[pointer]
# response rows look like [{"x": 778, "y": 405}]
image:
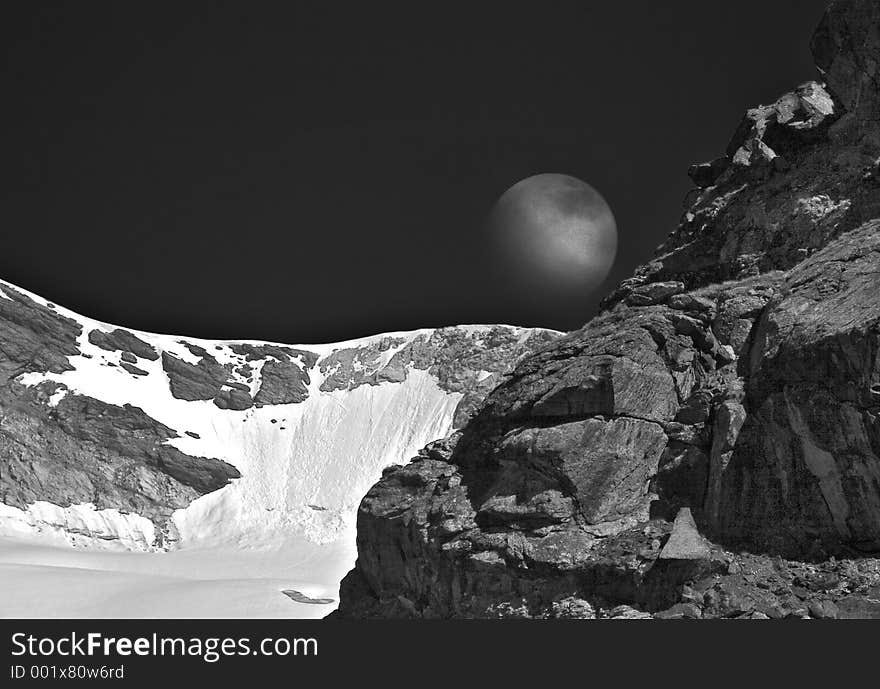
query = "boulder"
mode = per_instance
[
  {"x": 123, "y": 341},
  {"x": 685, "y": 542}
]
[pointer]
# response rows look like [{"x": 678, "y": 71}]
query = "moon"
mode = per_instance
[{"x": 555, "y": 233}]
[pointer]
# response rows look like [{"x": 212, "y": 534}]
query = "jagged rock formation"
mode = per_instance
[
  {"x": 111, "y": 435},
  {"x": 80, "y": 449},
  {"x": 735, "y": 377}
]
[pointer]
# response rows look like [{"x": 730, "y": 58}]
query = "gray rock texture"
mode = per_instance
[
  {"x": 233, "y": 398},
  {"x": 734, "y": 381},
  {"x": 253, "y": 352},
  {"x": 83, "y": 449},
  {"x": 123, "y": 341},
  {"x": 201, "y": 381},
  {"x": 34, "y": 339},
  {"x": 283, "y": 382},
  {"x": 133, "y": 370},
  {"x": 685, "y": 541},
  {"x": 469, "y": 361}
]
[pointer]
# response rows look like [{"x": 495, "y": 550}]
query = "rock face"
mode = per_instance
[
  {"x": 733, "y": 381},
  {"x": 125, "y": 342},
  {"x": 471, "y": 362},
  {"x": 83, "y": 450},
  {"x": 106, "y": 434},
  {"x": 283, "y": 383}
]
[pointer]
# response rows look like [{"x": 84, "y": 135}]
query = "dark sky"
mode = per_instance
[{"x": 265, "y": 171}]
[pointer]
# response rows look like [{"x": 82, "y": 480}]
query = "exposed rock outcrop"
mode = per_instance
[
  {"x": 83, "y": 450},
  {"x": 190, "y": 382},
  {"x": 469, "y": 361},
  {"x": 33, "y": 338},
  {"x": 125, "y": 342},
  {"x": 733, "y": 381},
  {"x": 283, "y": 383}
]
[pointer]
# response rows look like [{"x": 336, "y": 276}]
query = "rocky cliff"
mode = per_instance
[
  {"x": 709, "y": 445},
  {"x": 114, "y": 437}
]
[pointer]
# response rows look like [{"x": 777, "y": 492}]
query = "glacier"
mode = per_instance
[{"x": 288, "y": 521}]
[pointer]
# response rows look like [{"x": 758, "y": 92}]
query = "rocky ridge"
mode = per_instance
[
  {"x": 729, "y": 390},
  {"x": 76, "y": 433}
]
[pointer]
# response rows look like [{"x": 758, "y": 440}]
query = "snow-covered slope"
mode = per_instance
[{"x": 126, "y": 440}]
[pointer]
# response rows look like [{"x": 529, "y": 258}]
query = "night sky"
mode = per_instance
[{"x": 305, "y": 175}]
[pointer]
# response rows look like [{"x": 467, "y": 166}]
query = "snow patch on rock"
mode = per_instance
[
  {"x": 821, "y": 206},
  {"x": 326, "y": 450}
]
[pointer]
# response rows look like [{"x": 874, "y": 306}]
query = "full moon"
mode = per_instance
[{"x": 556, "y": 232}]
